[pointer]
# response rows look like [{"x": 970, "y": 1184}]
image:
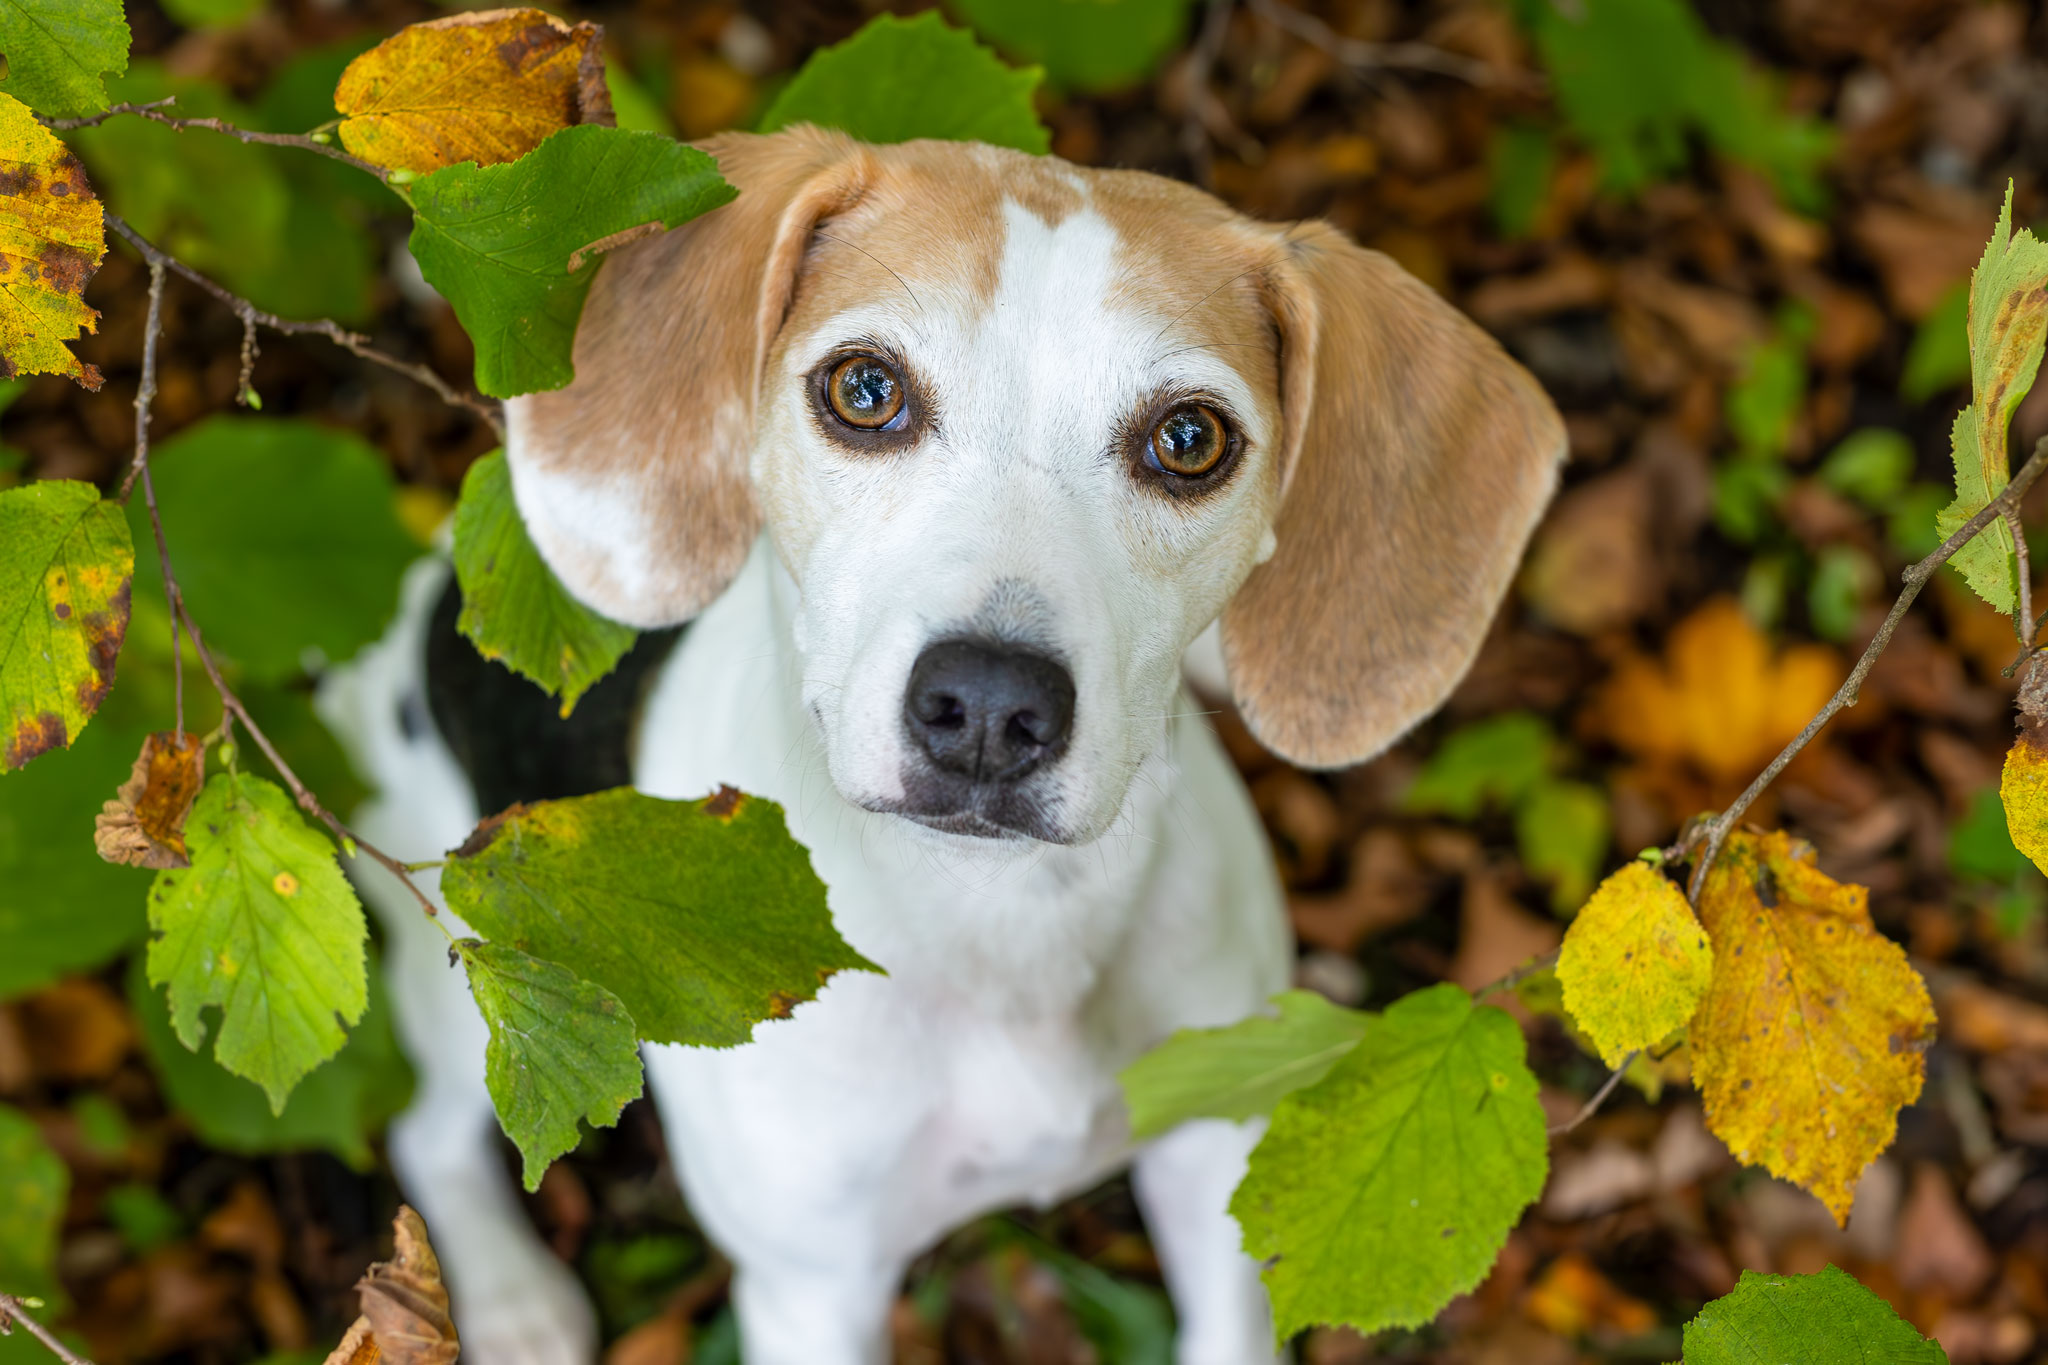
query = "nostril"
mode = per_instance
[
  {"x": 1026, "y": 728},
  {"x": 945, "y": 712}
]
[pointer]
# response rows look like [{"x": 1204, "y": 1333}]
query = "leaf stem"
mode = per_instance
[
  {"x": 1592, "y": 1106},
  {"x": 12, "y": 1314},
  {"x": 154, "y": 112},
  {"x": 353, "y": 342}
]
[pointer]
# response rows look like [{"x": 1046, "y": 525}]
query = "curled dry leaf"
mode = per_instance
[
  {"x": 485, "y": 87},
  {"x": 52, "y": 239},
  {"x": 405, "y": 1317},
  {"x": 1812, "y": 1034},
  {"x": 145, "y": 825}
]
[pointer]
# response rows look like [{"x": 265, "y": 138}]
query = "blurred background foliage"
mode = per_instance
[{"x": 1732, "y": 239}]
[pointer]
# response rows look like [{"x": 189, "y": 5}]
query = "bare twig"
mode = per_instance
[
  {"x": 1520, "y": 974},
  {"x": 1916, "y": 577},
  {"x": 353, "y": 342},
  {"x": 12, "y": 1314},
  {"x": 145, "y": 395},
  {"x": 1360, "y": 55},
  {"x": 2025, "y": 614},
  {"x": 154, "y": 112},
  {"x": 1592, "y": 1106}
]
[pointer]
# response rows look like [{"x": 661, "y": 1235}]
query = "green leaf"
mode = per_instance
[
  {"x": 58, "y": 50},
  {"x": 499, "y": 241},
  {"x": 1240, "y": 1070},
  {"x": 1387, "y": 1189},
  {"x": 33, "y": 1187},
  {"x": 703, "y": 917},
  {"x": 63, "y": 910},
  {"x": 899, "y": 79},
  {"x": 1939, "y": 356},
  {"x": 283, "y": 536},
  {"x": 1824, "y": 1319},
  {"x": 1490, "y": 762},
  {"x": 1086, "y": 45},
  {"x": 1519, "y": 161},
  {"x": 144, "y": 1218},
  {"x": 561, "y": 1050},
  {"x": 1980, "y": 845},
  {"x": 264, "y": 925},
  {"x": 1844, "y": 578},
  {"x": 1871, "y": 466},
  {"x": 338, "y": 1107},
  {"x": 1637, "y": 80},
  {"x": 66, "y": 565},
  {"x": 514, "y": 609},
  {"x": 210, "y": 13},
  {"x": 1561, "y": 831},
  {"x": 2007, "y": 326},
  {"x": 1763, "y": 404}
]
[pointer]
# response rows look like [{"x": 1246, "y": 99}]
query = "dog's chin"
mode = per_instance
[{"x": 976, "y": 813}]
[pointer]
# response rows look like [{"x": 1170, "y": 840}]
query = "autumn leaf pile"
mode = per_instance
[{"x": 1778, "y": 276}]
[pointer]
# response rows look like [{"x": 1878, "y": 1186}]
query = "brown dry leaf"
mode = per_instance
[
  {"x": 484, "y": 87},
  {"x": 77, "y": 1030},
  {"x": 405, "y": 1306},
  {"x": 1572, "y": 1298},
  {"x": 145, "y": 825},
  {"x": 1593, "y": 567},
  {"x": 1810, "y": 1038},
  {"x": 1717, "y": 707}
]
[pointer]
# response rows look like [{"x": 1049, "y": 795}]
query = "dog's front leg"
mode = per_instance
[
  {"x": 1183, "y": 1183},
  {"x": 815, "y": 1314}
]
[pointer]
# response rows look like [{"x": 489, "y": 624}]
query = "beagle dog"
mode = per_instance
[{"x": 949, "y": 454}]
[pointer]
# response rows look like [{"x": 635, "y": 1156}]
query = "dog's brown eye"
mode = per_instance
[
  {"x": 1189, "y": 441},
  {"x": 864, "y": 393}
]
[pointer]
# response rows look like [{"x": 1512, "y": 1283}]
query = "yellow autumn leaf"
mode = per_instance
[
  {"x": 52, "y": 239},
  {"x": 1810, "y": 1038},
  {"x": 1634, "y": 963},
  {"x": 484, "y": 87},
  {"x": 2024, "y": 790}
]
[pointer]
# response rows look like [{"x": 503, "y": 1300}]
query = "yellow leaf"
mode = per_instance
[
  {"x": 2024, "y": 790},
  {"x": 1634, "y": 963},
  {"x": 484, "y": 87},
  {"x": 51, "y": 241},
  {"x": 1810, "y": 1039}
]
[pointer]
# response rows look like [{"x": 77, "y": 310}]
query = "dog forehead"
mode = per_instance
[{"x": 1014, "y": 246}]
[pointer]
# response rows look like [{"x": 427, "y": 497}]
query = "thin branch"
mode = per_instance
[
  {"x": 145, "y": 396},
  {"x": 154, "y": 112},
  {"x": 1592, "y": 1106},
  {"x": 2025, "y": 613},
  {"x": 1360, "y": 55},
  {"x": 1916, "y": 577},
  {"x": 353, "y": 342},
  {"x": 1532, "y": 967},
  {"x": 11, "y": 1314}
]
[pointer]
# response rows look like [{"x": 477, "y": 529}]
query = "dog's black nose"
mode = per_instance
[{"x": 989, "y": 712}]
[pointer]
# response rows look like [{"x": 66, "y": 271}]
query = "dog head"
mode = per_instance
[{"x": 1020, "y": 431}]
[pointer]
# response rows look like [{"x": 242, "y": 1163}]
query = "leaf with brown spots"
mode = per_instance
[
  {"x": 484, "y": 87},
  {"x": 1634, "y": 963},
  {"x": 2008, "y": 321},
  {"x": 52, "y": 239},
  {"x": 703, "y": 917},
  {"x": 263, "y": 925},
  {"x": 144, "y": 826},
  {"x": 1810, "y": 1038},
  {"x": 65, "y": 566}
]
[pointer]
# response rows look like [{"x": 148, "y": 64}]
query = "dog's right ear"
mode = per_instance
[{"x": 633, "y": 479}]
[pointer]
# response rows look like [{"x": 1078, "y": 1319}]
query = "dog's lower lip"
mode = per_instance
[{"x": 967, "y": 823}]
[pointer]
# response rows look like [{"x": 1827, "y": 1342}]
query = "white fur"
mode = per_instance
[{"x": 1022, "y": 973}]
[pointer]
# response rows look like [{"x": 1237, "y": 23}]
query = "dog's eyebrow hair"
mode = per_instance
[
  {"x": 1204, "y": 299},
  {"x": 877, "y": 260}
]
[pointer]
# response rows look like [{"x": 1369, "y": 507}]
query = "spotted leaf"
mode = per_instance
[
  {"x": 1634, "y": 963},
  {"x": 65, "y": 568},
  {"x": 52, "y": 239}
]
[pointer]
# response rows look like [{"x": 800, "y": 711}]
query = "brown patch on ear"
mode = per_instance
[
  {"x": 1417, "y": 459},
  {"x": 633, "y": 479}
]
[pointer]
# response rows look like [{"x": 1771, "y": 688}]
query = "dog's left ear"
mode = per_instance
[{"x": 1416, "y": 459}]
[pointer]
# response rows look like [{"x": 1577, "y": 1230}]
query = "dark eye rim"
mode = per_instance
[
  {"x": 909, "y": 424},
  {"x": 1145, "y": 460}
]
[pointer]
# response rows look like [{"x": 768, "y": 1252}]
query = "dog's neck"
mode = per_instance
[{"x": 1017, "y": 925}]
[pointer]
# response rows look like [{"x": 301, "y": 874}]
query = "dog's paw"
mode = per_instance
[{"x": 537, "y": 1317}]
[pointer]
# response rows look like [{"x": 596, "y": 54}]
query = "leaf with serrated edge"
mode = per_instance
[
  {"x": 59, "y": 51},
  {"x": 703, "y": 917},
  {"x": 483, "y": 87},
  {"x": 900, "y": 79},
  {"x": 1635, "y": 962},
  {"x": 497, "y": 241},
  {"x": 562, "y": 1049},
  {"x": 52, "y": 240},
  {"x": 1811, "y": 1035},
  {"x": 65, "y": 569},
  {"x": 2008, "y": 320},
  {"x": 1824, "y": 1319},
  {"x": 514, "y": 609},
  {"x": 1387, "y": 1189},
  {"x": 263, "y": 925},
  {"x": 1241, "y": 1069},
  {"x": 33, "y": 1184}
]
